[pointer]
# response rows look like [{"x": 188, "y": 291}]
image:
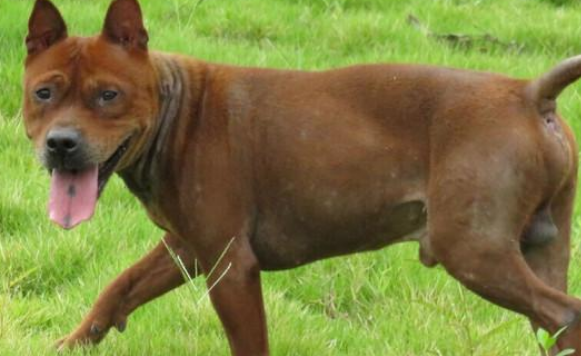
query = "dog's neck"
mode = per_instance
[{"x": 143, "y": 176}]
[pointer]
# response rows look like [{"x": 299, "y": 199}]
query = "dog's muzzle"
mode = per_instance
[
  {"x": 65, "y": 149},
  {"x": 77, "y": 180}
]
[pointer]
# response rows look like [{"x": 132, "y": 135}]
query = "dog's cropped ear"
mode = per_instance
[
  {"x": 124, "y": 25},
  {"x": 45, "y": 27},
  {"x": 545, "y": 89}
]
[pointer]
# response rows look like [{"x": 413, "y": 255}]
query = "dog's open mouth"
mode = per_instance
[
  {"x": 74, "y": 194},
  {"x": 107, "y": 168}
]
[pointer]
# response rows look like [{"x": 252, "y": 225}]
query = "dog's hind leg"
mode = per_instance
[
  {"x": 550, "y": 261},
  {"x": 501, "y": 274},
  {"x": 475, "y": 222},
  {"x": 153, "y": 275}
]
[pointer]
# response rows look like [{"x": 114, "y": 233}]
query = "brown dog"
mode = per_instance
[{"x": 289, "y": 167}]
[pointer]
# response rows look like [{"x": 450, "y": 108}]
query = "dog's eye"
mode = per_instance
[
  {"x": 43, "y": 94},
  {"x": 108, "y": 95}
]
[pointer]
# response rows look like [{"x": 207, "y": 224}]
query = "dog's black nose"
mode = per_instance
[
  {"x": 63, "y": 141},
  {"x": 65, "y": 149}
]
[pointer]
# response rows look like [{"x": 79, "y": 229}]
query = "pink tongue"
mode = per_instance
[{"x": 73, "y": 196}]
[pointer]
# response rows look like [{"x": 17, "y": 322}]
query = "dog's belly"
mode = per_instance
[{"x": 287, "y": 244}]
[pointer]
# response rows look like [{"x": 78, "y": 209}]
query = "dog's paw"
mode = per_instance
[
  {"x": 88, "y": 334},
  {"x": 63, "y": 345},
  {"x": 82, "y": 337},
  {"x": 70, "y": 342}
]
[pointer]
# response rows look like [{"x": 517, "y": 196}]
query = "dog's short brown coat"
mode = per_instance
[{"x": 288, "y": 167}]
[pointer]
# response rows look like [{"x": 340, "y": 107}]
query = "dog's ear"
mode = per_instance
[
  {"x": 45, "y": 27},
  {"x": 124, "y": 25}
]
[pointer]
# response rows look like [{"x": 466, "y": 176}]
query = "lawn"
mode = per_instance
[{"x": 382, "y": 303}]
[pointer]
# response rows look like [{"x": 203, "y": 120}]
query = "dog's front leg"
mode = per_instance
[
  {"x": 152, "y": 276},
  {"x": 236, "y": 294}
]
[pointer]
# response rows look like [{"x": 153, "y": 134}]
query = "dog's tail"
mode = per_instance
[{"x": 549, "y": 85}]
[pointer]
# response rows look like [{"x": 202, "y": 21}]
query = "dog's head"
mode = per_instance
[{"x": 89, "y": 102}]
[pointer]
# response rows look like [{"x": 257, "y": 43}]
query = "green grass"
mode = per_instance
[{"x": 382, "y": 303}]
